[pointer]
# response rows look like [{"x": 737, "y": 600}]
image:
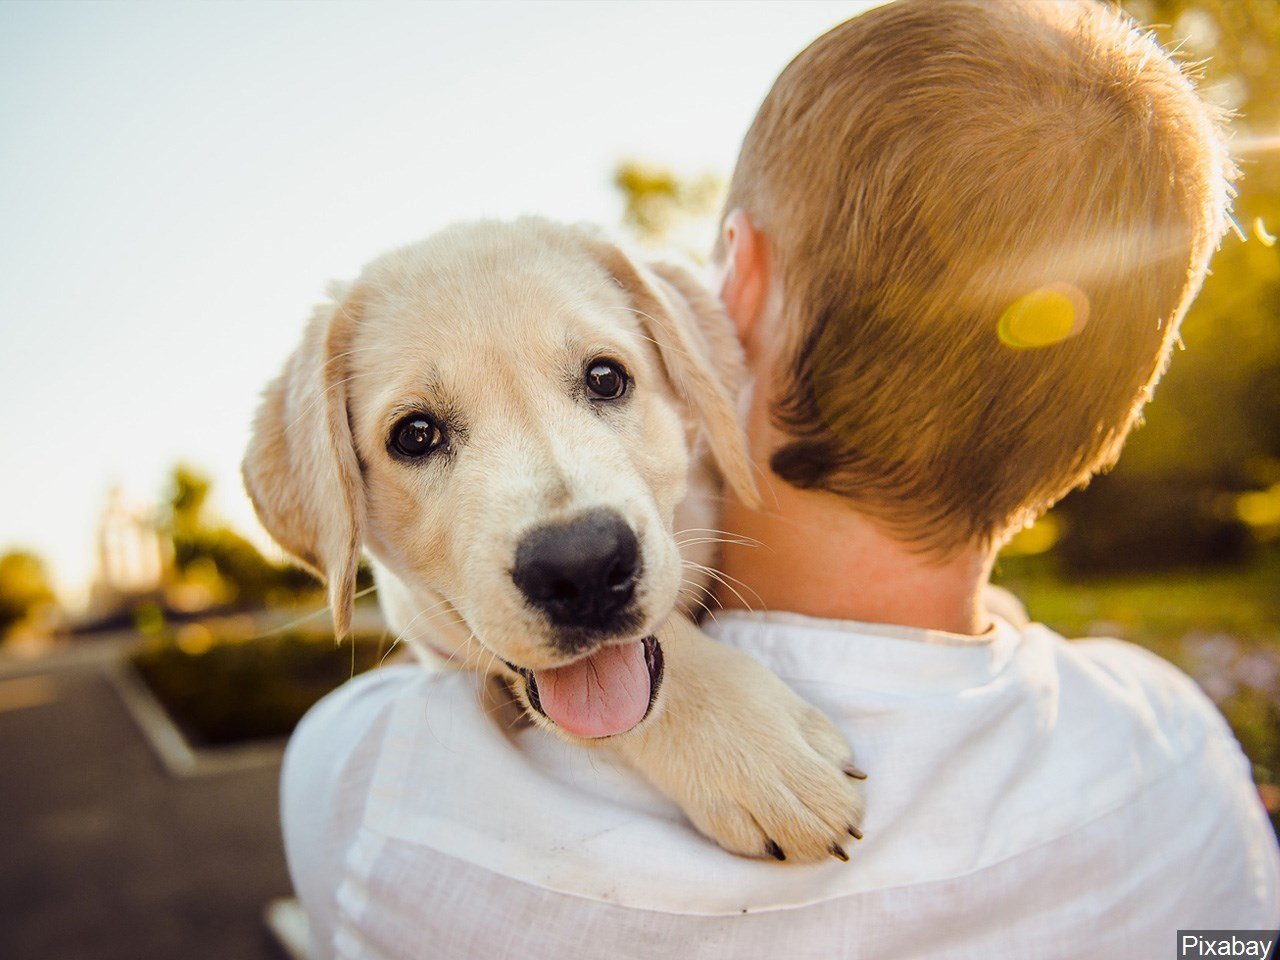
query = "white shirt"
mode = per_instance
[{"x": 1028, "y": 798}]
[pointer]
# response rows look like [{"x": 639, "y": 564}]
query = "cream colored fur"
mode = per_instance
[{"x": 487, "y": 325}]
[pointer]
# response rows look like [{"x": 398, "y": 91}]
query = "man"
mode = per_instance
[{"x": 960, "y": 239}]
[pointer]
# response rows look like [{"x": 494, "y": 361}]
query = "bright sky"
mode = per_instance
[{"x": 178, "y": 181}]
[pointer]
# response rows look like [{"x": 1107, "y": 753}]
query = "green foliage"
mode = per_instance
[
  {"x": 188, "y": 492},
  {"x": 1212, "y": 432},
  {"x": 231, "y": 568},
  {"x": 1128, "y": 523},
  {"x": 250, "y": 577},
  {"x": 24, "y": 587},
  {"x": 658, "y": 201},
  {"x": 223, "y": 690}
]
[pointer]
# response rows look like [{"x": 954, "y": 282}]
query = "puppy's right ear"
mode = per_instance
[
  {"x": 702, "y": 357},
  {"x": 301, "y": 469}
]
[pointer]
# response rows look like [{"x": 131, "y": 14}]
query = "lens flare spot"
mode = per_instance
[
  {"x": 1035, "y": 539},
  {"x": 1260, "y": 508},
  {"x": 1260, "y": 231},
  {"x": 194, "y": 639},
  {"x": 1043, "y": 317}
]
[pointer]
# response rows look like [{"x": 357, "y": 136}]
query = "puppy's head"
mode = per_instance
[{"x": 505, "y": 414}]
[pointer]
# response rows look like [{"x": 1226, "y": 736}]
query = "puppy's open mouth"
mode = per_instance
[{"x": 601, "y": 695}]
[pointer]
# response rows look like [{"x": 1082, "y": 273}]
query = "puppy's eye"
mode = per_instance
[
  {"x": 606, "y": 380},
  {"x": 415, "y": 436}
]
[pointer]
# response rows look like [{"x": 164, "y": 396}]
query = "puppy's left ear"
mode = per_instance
[
  {"x": 699, "y": 349},
  {"x": 301, "y": 469}
]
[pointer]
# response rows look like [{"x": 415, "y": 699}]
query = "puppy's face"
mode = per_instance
[
  {"x": 491, "y": 413},
  {"x": 522, "y": 449}
]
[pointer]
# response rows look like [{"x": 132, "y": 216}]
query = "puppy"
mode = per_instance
[{"x": 526, "y": 430}]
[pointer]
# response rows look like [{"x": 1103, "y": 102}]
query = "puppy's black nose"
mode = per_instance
[{"x": 581, "y": 573}]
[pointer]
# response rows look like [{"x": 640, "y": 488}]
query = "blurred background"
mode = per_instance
[{"x": 177, "y": 184}]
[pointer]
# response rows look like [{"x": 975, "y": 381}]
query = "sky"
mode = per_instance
[{"x": 179, "y": 181}]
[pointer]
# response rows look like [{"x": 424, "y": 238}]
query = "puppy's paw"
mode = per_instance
[
  {"x": 791, "y": 793},
  {"x": 752, "y": 765}
]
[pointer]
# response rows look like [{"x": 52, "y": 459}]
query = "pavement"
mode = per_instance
[{"x": 105, "y": 856}]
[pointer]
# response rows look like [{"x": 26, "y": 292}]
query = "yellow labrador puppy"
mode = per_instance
[{"x": 517, "y": 422}]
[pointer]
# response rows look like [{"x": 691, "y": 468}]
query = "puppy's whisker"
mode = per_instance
[
  {"x": 436, "y": 610},
  {"x": 664, "y": 346},
  {"x": 763, "y": 485},
  {"x": 443, "y": 611},
  {"x": 740, "y": 539},
  {"x": 383, "y": 649},
  {"x": 471, "y": 653},
  {"x": 493, "y": 657},
  {"x": 320, "y": 398},
  {"x": 701, "y": 603},
  {"x": 722, "y": 574},
  {"x": 318, "y": 612},
  {"x": 700, "y": 540},
  {"x": 714, "y": 530},
  {"x": 475, "y": 652},
  {"x": 354, "y": 351},
  {"x": 390, "y": 650},
  {"x": 433, "y": 609},
  {"x": 697, "y": 585},
  {"x": 670, "y": 345},
  {"x": 723, "y": 581},
  {"x": 703, "y": 592}
]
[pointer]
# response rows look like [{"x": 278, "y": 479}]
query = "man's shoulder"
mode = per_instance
[
  {"x": 370, "y": 694},
  {"x": 1066, "y": 740},
  {"x": 1102, "y": 673},
  {"x": 1127, "y": 724},
  {"x": 346, "y": 717}
]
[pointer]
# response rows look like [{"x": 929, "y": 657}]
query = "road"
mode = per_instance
[{"x": 103, "y": 855}]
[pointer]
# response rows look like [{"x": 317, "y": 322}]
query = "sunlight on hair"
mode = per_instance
[
  {"x": 1043, "y": 317},
  {"x": 1260, "y": 231}
]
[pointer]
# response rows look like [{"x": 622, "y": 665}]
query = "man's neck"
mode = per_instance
[{"x": 814, "y": 555}]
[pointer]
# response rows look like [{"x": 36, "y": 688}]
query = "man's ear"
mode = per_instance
[
  {"x": 301, "y": 469},
  {"x": 744, "y": 289},
  {"x": 701, "y": 355}
]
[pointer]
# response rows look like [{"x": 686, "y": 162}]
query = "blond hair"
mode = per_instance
[{"x": 989, "y": 219}]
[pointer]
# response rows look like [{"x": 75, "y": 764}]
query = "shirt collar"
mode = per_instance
[{"x": 881, "y": 656}]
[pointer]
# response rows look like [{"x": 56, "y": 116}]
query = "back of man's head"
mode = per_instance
[{"x": 988, "y": 219}]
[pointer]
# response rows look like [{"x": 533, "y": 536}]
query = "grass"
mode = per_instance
[{"x": 1158, "y": 610}]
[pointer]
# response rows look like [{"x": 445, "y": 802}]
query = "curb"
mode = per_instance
[{"x": 176, "y": 754}]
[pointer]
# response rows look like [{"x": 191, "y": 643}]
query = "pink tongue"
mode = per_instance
[{"x": 599, "y": 695}]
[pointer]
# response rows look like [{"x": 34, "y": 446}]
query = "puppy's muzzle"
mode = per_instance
[{"x": 581, "y": 574}]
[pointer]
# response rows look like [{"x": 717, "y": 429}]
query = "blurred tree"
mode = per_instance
[
  {"x": 663, "y": 208},
  {"x": 24, "y": 588},
  {"x": 1212, "y": 433},
  {"x": 212, "y": 562},
  {"x": 188, "y": 491}
]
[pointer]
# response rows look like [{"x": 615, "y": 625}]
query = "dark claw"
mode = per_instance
[
  {"x": 773, "y": 850},
  {"x": 855, "y": 832},
  {"x": 838, "y": 853},
  {"x": 853, "y": 772}
]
